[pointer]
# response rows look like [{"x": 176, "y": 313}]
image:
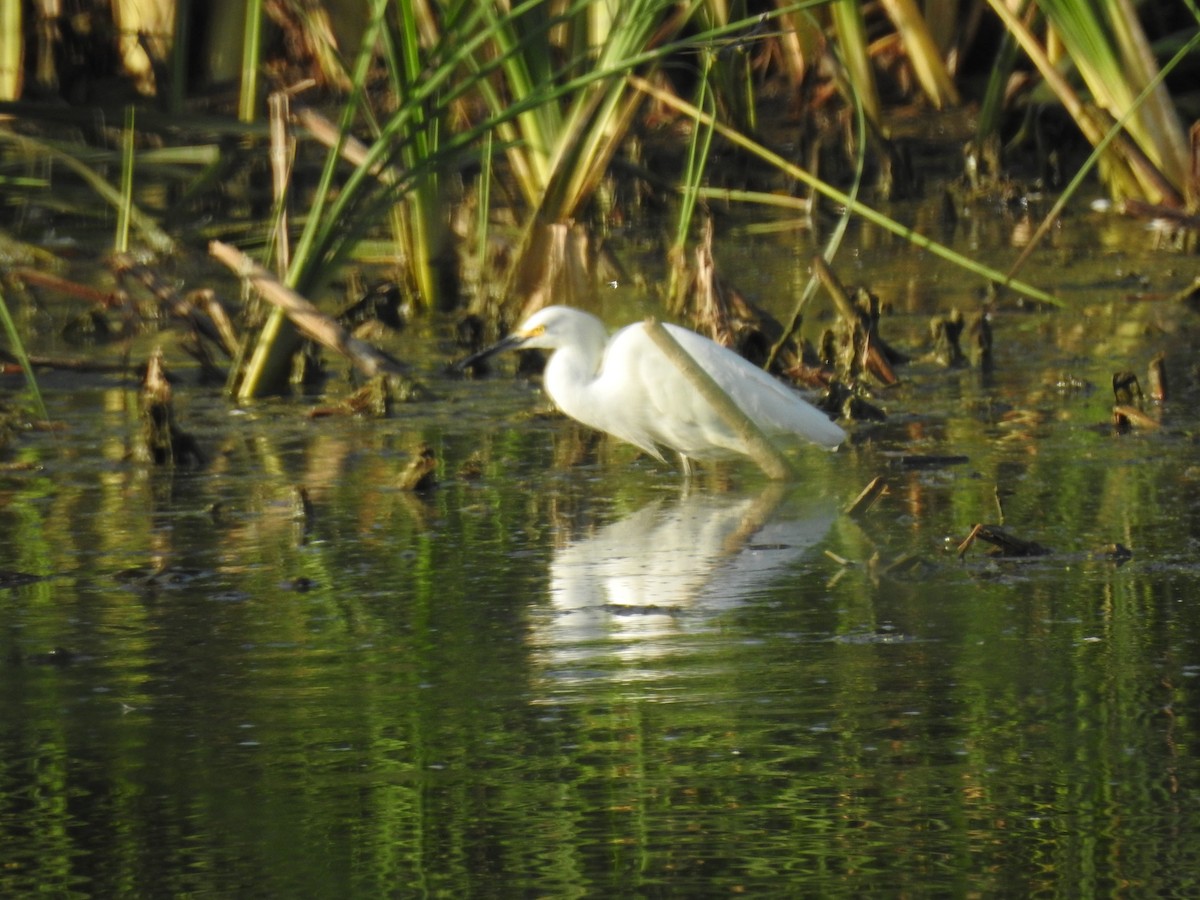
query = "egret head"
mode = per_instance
[
  {"x": 541, "y": 331},
  {"x": 550, "y": 328}
]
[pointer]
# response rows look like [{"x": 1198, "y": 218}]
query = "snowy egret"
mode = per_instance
[{"x": 628, "y": 387}]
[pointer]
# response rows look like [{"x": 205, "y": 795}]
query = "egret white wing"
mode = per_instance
[{"x": 774, "y": 407}]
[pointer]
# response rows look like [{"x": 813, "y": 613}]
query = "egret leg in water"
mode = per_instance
[{"x": 628, "y": 387}]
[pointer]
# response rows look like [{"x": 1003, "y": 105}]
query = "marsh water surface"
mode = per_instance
[{"x": 566, "y": 671}]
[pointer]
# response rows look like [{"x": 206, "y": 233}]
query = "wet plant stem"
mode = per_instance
[
  {"x": 251, "y": 52},
  {"x": 18, "y": 351},
  {"x": 691, "y": 190},
  {"x": 124, "y": 210},
  {"x": 760, "y": 448}
]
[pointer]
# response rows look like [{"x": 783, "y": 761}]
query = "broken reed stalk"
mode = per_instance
[
  {"x": 421, "y": 472},
  {"x": 1158, "y": 378},
  {"x": 1126, "y": 417},
  {"x": 283, "y": 148},
  {"x": 874, "y": 360},
  {"x": 837, "y": 291},
  {"x": 352, "y": 150},
  {"x": 164, "y": 443},
  {"x": 761, "y": 450},
  {"x": 866, "y": 499},
  {"x": 306, "y": 317}
]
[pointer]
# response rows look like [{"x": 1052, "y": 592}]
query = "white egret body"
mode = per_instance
[{"x": 626, "y": 386}]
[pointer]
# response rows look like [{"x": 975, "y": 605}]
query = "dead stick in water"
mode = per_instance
[
  {"x": 760, "y": 448},
  {"x": 866, "y": 499},
  {"x": 306, "y": 317},
  {"x": 1158, "y": 378}
]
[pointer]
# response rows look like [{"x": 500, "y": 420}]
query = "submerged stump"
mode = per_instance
[{"x": 163, "y": 442}]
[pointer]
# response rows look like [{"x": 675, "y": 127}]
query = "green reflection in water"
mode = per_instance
[{"x": 587, "y": 681}]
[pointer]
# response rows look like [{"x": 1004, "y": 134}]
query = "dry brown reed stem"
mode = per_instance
[
  {"x": 306, "y": 317},
  {"x": 922, "y": 52},
  {"x": 109, "y": 299},
  {"x": 164, "y": 443},
  {"x": 761, "y": 450},
  {"x": 282, "y": 154},
  {"x": 866, "y": 499},
  {"x": 353, "y": 150},
  {"x": 205, "y": 299},
  {"x": 1158, "y": 378}
]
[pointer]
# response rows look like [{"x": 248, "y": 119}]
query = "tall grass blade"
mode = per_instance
[
  {"x": 483, "y": 199},
  {"x": 691, "y": 189},
  {"x": 422, "y": 221},
  {"x": 121, "y": 244},
  {"x": 991, "y": 108},
  {"x": 270, "y": 362},
  {"x": 833, "y": 244},
  {"x": 1128, "y": 164},
  {"x": 851, "y": 32},
  {"x": 251, "y": 54},
  {"x": 1108, "y": 47},
  {"x": 17, "y": 348}
]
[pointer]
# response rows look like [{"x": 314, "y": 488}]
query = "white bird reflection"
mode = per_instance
[{"x": 630, "y": 590}]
